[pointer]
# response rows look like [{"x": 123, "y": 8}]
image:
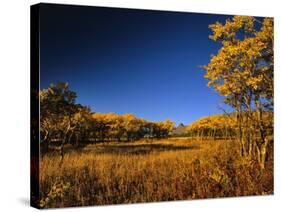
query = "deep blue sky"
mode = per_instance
[{"x": 130, "y": 61}]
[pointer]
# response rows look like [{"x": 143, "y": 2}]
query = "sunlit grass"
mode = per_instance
[{"x": 145, "y": 171}]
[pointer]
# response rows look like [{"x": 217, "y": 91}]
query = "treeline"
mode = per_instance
[
  {"x": 62, "y": 121},
  {"x": 224, "y": 126},
  {"x": 215, "y": 126}
]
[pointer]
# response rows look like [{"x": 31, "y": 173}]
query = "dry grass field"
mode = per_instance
[{"x": 146, "y": 171}]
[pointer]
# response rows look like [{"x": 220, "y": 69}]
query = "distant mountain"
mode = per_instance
[{"x": 180, "y": 129}]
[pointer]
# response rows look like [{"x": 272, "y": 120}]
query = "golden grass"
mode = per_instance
[{"x": 145, "y": 171}]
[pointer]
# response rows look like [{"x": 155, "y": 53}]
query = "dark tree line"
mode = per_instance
[{"x": 63, "y": 121}]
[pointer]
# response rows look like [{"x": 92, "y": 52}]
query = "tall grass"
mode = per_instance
[{"x": 147, "y": 171}]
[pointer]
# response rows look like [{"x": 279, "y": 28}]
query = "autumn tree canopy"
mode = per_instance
[{"x": 242, "y": 72}]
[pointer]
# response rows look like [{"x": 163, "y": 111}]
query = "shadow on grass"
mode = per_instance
[{"x": 141, "y": 148}]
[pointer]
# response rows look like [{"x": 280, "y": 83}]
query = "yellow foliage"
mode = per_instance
[{"x": 244, "y": 62}]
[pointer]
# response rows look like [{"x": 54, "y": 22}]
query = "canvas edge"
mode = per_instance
[{"x": 34, "y": 105}]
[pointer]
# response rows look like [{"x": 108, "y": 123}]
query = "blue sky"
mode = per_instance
[{"x": 131, "y": 61}]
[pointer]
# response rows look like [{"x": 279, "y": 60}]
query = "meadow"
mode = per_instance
[{"x": 150, "y": 170}]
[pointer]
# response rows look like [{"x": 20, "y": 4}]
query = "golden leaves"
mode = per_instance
[{"x": 245, "y": 52}]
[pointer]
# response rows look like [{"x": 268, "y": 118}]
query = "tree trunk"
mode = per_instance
[
  {"x": 214, "y": 135},
  {"x": 239, "y": 127},
  {"x": 263, "y": 151},
  {"x": 63, "y": 142},
  {"x": 201, "y": 135},
  {"x": 248, "y": 130},
  {"x": 262, "y": 148}
]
